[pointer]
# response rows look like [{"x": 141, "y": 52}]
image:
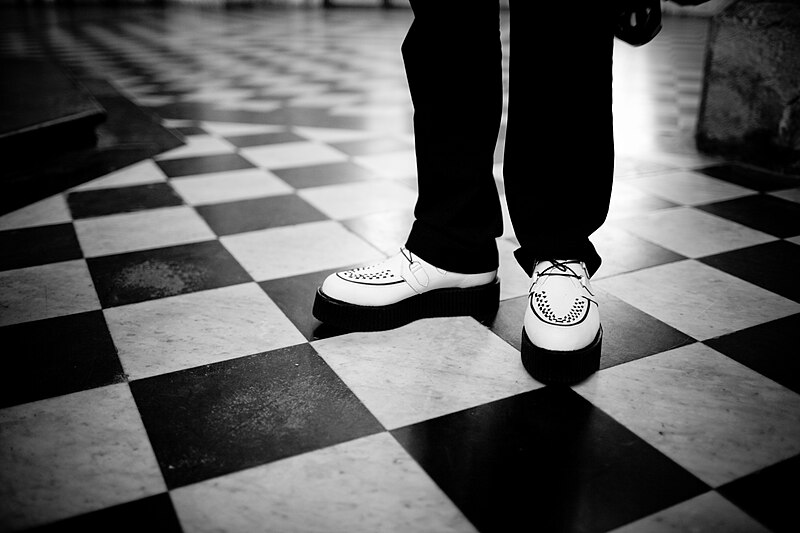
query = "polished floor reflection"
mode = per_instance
[{"x": 163, "y": 369}]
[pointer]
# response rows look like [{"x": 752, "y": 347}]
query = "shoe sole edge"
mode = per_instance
[
  {"x": 561, "y": 367},
  {"x": 481, "y": 302}
]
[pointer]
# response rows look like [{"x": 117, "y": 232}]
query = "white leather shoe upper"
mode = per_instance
[
  {"x": 562, "y": 313},
  {"x": 394, "y": 279}
]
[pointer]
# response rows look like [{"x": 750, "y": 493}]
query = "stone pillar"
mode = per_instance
[{"x": 750, "y": 106}]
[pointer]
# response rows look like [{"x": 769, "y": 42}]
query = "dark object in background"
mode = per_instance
[{"x": 637, "y": 21}]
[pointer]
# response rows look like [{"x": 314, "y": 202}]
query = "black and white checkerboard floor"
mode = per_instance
[{"x": 162, "y": 368}]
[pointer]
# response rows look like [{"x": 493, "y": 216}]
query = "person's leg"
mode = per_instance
[
  {"x": 453, "y": 61},
  {"x": 558, "y": 168},
  {"x": 559, "y": 152}
]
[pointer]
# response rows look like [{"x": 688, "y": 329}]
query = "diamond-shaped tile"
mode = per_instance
[
  {"x": 547, "y": 459},
  {"x": 74, "y": 454},
  {"x": 242, "y": 413},
  {"x": 199, "y": 328},
  {"x": 426, "y": 369},
  {"x": 716, "y": 418}
]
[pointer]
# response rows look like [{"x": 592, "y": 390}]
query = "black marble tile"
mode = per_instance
[
  {"x": 260, "y": 139},
  {"x": 217, "y": 419},
  {"x": 191, "y": 130},
  {"x": 750, "y": 177},
  {"x": 55, "y": 356},
  {"x": 372, "y": 146},
  {"x": 38, "y": 245},
  {"x": 189, "y": 166},
  {"x": 546, "y": 460},
  {"x": 766, "y": 213},
  {"x": 209, "y": 111},
  {"x": 157, "y": 273},
  {"x": 507, "y": 323},
  {"x": 628, "y": 333},
  {"x": 769, "y": 349},
  {"x": 320, "y": 175},
  {"x": 154, "y": 513},
  {"x": 765, "y": 265},
  {"x": 294, "y": 296},
  {"x": 100, "y": 202},
  {"x": 768, "y": 495},
  {"x": 258, "y": 213}
]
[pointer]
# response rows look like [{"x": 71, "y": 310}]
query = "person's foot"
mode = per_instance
[
  {"x": 561, "y": 336},
  {"x": 402, "y": 289}
]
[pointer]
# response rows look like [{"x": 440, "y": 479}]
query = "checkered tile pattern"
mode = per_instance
[{"x": 162, "y": 368}]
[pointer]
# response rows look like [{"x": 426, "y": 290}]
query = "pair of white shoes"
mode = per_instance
[{"x": 561, "y": 336}]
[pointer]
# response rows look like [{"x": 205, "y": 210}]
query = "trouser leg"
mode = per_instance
[
  {"x": 453, "y": 61},
  {"x": 559, "y": 152}
]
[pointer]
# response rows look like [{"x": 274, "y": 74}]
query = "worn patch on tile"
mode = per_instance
[{"x": 150, "y": 274}]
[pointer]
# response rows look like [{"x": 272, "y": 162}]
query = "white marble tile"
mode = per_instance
[
  {"x": 141, "y": 230},
  {"x": 400, "y": 164},
  {"x": 508, "y": 227},
  {"x": 372, "y": 110},
  {"x": 231, "y": 129},
  {"x": 200, "y": 328},
  {"x": 426, "y": 369},
  {"x": 296, "y": 89},
  {"x": 46, "y": 291},
  {"x": 697, "y": 299},
  {"x": 141, "y": 173},
  {"x": 707, "y": 512},
  {"x": 711, "y": 415},
  {"x": 217, "y": 94},
  {"x": 793, "y": 195},
  {"x": 300, "y": 249},
  {"x": 366, "y": 485},
  {"x": 199, "y": 145},
  {"x": 229, "y": 186},
  {"x": 73, "y": 454},
  {"x": 52, "y": 210},
  {"x": 689, "y": 188},
  {"x": 330, "y": 135},
  {"x": 351, "y": 200},
  {"x": 627, "y": 200},
  {"x": 497, "y": 169},
  {"x": 292, "y": 154},
  {"x": 513, "y": 280},
  {"x": 325, "y": 100},
  {"x": 691, "y": 232},
  {"x": 262, "y": 106}
]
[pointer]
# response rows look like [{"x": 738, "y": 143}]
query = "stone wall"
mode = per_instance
[{"x": 750, "y": 107}]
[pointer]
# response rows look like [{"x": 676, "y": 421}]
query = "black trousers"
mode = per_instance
[{"x": 559, "y": 148}]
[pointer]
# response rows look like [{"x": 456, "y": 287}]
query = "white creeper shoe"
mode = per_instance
[
  {"x": 562, "y": 336},
  {"x": 402, "y": 289}
]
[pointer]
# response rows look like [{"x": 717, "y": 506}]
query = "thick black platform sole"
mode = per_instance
[
  {"x": 479, "y": 302},
  {"x": 550, "y": 366}
]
